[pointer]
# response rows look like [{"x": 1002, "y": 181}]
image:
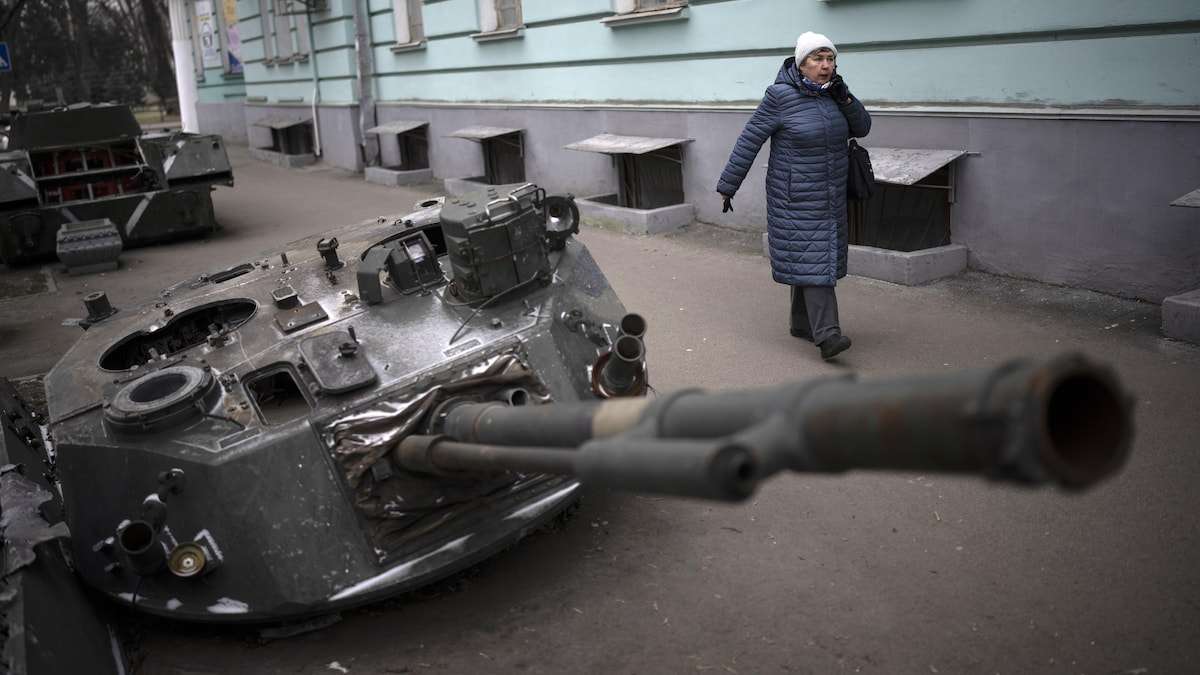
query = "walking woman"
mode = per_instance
[{"x": 809, "y": 115}]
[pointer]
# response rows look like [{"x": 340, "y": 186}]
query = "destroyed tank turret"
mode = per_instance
[
  {"x": 362, "y": 414},
  {"x": 83, "y": 182}
]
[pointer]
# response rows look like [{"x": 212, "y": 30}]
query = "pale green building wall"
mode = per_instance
[
  {"x": 988, "y": 52},
  {"x": 1015, "y": 52}
]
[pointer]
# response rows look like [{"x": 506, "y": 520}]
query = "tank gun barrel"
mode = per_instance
[{"x": 1066, "y": 420}]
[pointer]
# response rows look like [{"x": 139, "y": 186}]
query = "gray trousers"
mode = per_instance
[{"x": 815, "y": 311}]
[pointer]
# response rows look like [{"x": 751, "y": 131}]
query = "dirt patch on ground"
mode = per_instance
[{"x": 15, "y": 283}]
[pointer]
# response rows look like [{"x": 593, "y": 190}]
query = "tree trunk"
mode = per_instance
[
  {"x": 77, "y": 11},
  {"x": 158, "y": 42}
]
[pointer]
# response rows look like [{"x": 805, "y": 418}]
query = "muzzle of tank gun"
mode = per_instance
[
  {"x": 633, "y": 325},
  {"x": 1066, "y": 420}
]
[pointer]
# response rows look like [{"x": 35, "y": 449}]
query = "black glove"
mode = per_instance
[
  {"x": 838, "y": 90},
  {"x": 728, "y": 204}
]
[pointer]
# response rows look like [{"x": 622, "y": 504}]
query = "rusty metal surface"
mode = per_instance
[
  {"x": 612, "y": 144},
  {"x": 907, "y": 166}
]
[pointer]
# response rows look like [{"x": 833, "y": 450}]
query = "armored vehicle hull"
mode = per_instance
[
  {"x": 246, "y": 419},
  {"x": 91, "y": 163}
]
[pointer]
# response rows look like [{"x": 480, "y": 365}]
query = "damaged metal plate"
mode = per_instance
[
  {"x": 22, "y": 523},
  {"x": 337, "y": 361},
  {"x": 612, "y": 144},
  {"x": 905, "y": 166},
  {"x": 307, "y": 314}
]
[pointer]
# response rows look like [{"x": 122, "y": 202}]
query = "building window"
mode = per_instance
[
  {"x": 508, "y": 14},
  {"x": 410, "y": 29},
  {"x": 499, "y": 19},
  {"x": 227, "y": 21},
  {"x": 627, "y": 6},
  {"x": 285, "y": 31},
  {"x": 629, "y": 12}
]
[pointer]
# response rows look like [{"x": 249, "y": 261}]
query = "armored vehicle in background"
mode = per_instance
[
  {"x": 359, "y": 415},
  {"x": 89, "y": 171}
]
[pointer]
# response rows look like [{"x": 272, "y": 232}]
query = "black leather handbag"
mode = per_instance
[{"x": 860, "y": 184}]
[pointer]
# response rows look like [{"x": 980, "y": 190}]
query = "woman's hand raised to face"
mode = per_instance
[{"x": 838, "y": 89}]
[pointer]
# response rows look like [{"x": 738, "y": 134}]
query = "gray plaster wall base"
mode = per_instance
[
  {"x": 597, "y": 212},
  {"x": 280, "y": 159},
  {"x": 1181, "y": 316},
  {"x": 909, "y": 268},
  {"x": 1045, "y": 199},
  {"x": 338, "y": 130},
  {"x": 227, "y": 118},
  {"x": 391, "y": 177}
]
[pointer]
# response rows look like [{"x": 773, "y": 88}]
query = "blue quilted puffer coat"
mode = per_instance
[{"x": 806, "y": 176}]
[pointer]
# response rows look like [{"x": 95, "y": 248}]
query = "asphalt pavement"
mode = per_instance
[{"x": 863, "y": 572}]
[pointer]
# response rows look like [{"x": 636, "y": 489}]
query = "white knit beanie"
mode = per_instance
[{"x": 809, "y": 42}]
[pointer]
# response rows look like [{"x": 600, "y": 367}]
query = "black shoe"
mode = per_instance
[
  {"x": 802, "y": 334},
  {"x": 834, "y": 345}
]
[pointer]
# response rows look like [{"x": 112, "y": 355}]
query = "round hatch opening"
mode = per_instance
[
  {"x": 161, "y": 397},
  {"x": 155, "y": 388}
]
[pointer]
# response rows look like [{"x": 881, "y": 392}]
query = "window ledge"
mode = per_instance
[
  {"x": 408, "y": 46},
  {"x": 504, "y": 34},
  {"x": 651, "y": 16}
]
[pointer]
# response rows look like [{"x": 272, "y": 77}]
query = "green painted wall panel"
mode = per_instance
[
  {"x": 383, "y": 29},
  {"x": 936, "y": 51},
  {"x": 216, "y": 89},
  {"x": 533, "y": 11},
  {"x": 1164, "y": 70},
  {"x": 451, "y": 16},
  {"x": 336, "y": 34},
  {"x": 332, "y": 91}
]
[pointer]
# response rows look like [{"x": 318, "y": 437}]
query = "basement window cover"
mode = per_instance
[
  {"x": 396, "y": 127},
  {"x": 290, "y": 135},
  {"x": 278, "y": 122},
  {"x": 911, "y": 207},
  {"x": 503, "y": 153},
  {"x": 1191, "y": 199},
  {"x": 611, "y": 144},
  {"x": 480, "y": 133},
  {"x": 412, "y": 144},
  {"x": 649, "y": 170},
  {"x": 905, "y": 166}
]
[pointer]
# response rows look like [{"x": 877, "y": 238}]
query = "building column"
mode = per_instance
[{"x": 185, "y": 68}]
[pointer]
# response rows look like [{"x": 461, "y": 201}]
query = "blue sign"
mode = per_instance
[{"x": 5, "y": 62}]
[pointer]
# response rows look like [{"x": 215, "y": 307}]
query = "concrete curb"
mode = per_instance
[
  {"x": 1181, "y": 316},
  {"x": 392, "y": 178},
  {"x": 634, "y": 221},
  {"x": 280, "y": 159},
  {"x": 908, "y": 268}
]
